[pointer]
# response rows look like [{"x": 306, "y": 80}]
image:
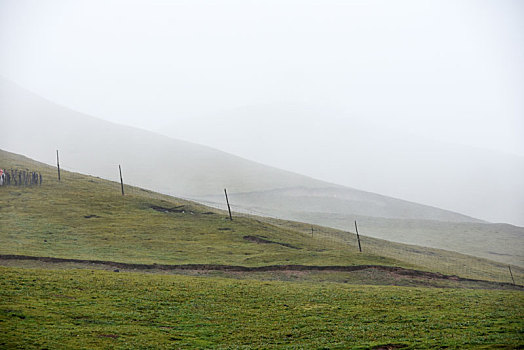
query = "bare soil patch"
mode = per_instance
[
  {"x": 91, "y": 216},
  {"x": 179, "y": 209},
  {"x": 261, "y": 240}
]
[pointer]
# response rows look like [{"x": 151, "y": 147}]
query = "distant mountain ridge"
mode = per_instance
[
  {"x": 342, "y": 200},
  {"x": 347, "y": 148},
  {"x": 36, "y": 127}
]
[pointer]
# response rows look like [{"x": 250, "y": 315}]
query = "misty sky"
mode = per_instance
[{"x": 451, "y": 71}]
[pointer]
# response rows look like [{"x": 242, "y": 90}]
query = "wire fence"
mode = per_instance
[{"x": 419, "y": 257}]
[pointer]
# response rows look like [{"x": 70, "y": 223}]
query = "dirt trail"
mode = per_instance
[{"x": 246, "y": 269}]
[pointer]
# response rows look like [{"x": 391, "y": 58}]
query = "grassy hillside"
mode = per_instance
[
  {"x": 83, "y": 217},
  {"x": 86, "y": 217},
  {"x": 76, "y": 305},
  {"x": 338, "y": 208},
  {"x": 94, "y": 309}
]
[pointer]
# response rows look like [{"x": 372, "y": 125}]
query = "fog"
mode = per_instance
[{"x": 420, "y": 100}]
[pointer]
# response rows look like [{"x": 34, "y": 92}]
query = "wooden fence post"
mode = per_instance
[
  {"x": 58, "y": 165},
  {"x": 228, "y": 207},
  {"x": 121, "y": 181},
  {"x": 358, "y": 237},
  {"x": 511, "y": 273}
]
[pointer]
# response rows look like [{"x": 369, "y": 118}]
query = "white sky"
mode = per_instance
[
  {"x": 451, "y": 70},
  {"x": 447, "y": 70}
]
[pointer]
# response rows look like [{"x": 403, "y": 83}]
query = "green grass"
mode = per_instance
[
  {"x": 50, "y": 220},
  {"x": 46, "y": 307},
  {"x": 430, "y": 259},
  {"x": 500, "y": 242},
  {"x": 99, "y": 309}
]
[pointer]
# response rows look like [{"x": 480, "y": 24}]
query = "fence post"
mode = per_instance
[
  {"x": 58, "y": 165},
  {"x": 228, "y": 207},
  {"x": 511, "y": 273},
  {"x": 121, "y": 181},
  {"x": 358, "y": 237}
]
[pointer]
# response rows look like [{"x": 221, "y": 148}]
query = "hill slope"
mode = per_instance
[
  {"x": 36, "y": 127},
  {"x": 339, "y": 208},
  {"x": 83, "y": 217}
]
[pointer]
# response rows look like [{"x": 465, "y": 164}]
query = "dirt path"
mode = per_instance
[{"x": 399, "y": 271}]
